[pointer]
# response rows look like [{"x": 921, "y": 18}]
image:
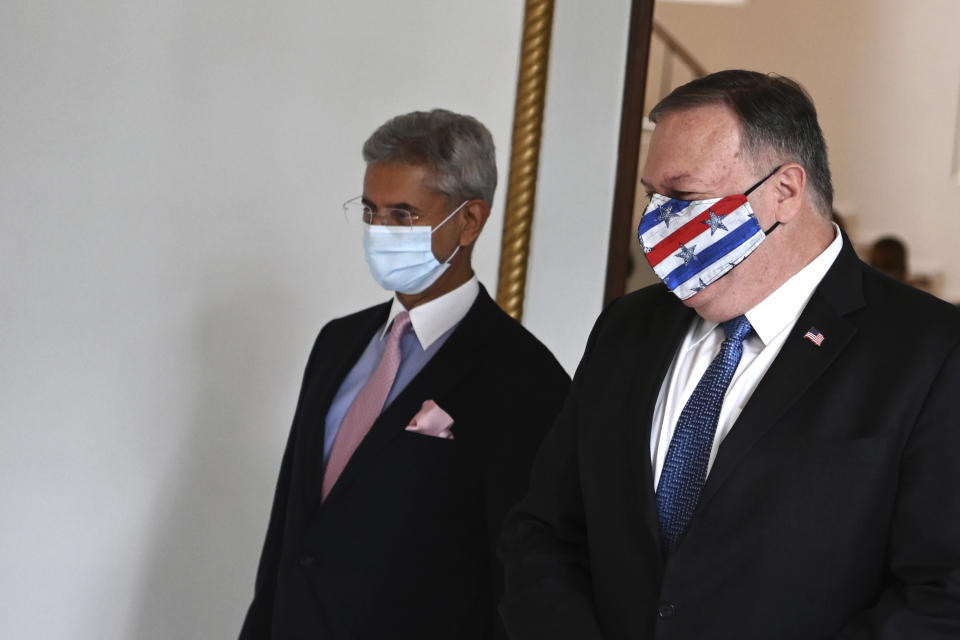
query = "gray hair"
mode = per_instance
[
  {"x": 458, "y": 148},
  {"x": 776, "y": 115}
]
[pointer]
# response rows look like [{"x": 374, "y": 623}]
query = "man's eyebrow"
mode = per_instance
[
  {"x": 680, "y": 186},
  {"x": 669, "y": 180},
  {"x": 402, "y": 205},
  {"x": 393, "y": 205}
]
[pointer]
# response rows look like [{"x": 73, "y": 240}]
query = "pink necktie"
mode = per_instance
[{"x": 366, "y": 406}]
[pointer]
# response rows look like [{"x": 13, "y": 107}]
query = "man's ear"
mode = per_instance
[
  {"x": 788, "y": 188},
  {"x": 473, "y": 216}
]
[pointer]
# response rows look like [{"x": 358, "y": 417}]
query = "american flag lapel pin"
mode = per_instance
[{"x": 814, "y": 336}]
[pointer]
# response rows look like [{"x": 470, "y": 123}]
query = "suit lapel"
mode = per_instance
[
  {"x": 325, "y": 381},
  {"x": 442, "y": 374},
  {"x": 798, "y": 365}
]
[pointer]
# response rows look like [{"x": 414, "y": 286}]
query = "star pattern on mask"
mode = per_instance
[
  {"x": 697, "y": 288},
  {"x": 666, "y": 212},
  {"x": 686, "y": 253},
  {"x": 715, "y": 222}
]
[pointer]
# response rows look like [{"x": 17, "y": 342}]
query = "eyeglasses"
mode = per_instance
[{"x": 356, "y": 210}]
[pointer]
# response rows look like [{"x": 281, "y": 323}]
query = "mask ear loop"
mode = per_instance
[
  {"x": 760, "y": 182},
  {"x": 452, "y": 213},
  {"x": 447, "y": 261}
]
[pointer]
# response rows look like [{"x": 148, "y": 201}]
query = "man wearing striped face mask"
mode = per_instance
[{"x": 764, "y": 447}]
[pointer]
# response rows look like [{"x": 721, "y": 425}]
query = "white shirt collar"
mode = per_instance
[
  {"x": 432, "y": 319},
  {"x": 783, "y": 307}
]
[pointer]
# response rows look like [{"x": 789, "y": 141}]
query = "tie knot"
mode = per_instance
[
  {"x": 737, "y": 329},
  {"x": 401, "y": 323}
]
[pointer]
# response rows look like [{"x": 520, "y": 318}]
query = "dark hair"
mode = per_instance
[
  {"x": 458, "y": 148},
  {"x": 775, "y": 113}
]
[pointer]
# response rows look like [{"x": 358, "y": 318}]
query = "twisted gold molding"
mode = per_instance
[{"x": 524, "y": 155}]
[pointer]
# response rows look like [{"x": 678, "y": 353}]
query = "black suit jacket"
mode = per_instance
[
  {"x": 832, "y": 509},
  {"x": 403, "y": 547}
]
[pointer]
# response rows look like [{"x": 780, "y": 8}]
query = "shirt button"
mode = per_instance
[
  {"x": 307, "y": 561},
  {"x": 666, "y": 610}
]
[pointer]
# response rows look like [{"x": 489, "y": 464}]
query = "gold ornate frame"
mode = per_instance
[
  {"x": 524, "y": 155},
  {"x": 525, "y": 151}
]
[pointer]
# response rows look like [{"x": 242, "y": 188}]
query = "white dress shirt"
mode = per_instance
[
  {"x": 772, "y": 320},
  {"x": 432, "y": 319}
]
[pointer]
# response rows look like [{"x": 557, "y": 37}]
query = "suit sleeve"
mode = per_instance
[
  {"x": 259, "y": 619},
  {"x": 924, "y": 550},
  {"x": 548, "y": 592},
  {"x": 260, "y": 614},
  {"x": 535, "y": 405}
]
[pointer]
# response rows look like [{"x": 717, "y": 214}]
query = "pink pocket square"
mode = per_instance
[{"x": 431, "y": 420}]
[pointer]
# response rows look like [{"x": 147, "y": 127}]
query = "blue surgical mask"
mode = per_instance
[{"x": 401, "y": 258}]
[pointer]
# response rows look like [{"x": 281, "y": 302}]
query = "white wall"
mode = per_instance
[
  {"x": 578, "y": 164},
  {"x": 170, "y": 184}
]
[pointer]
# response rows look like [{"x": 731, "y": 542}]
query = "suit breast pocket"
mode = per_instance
[
  {"x": 422, "y": 439},
  {"x": 838, "y": 459},
  {"x": 831, "y": 483},
  {"x": 425, "y": 458}
]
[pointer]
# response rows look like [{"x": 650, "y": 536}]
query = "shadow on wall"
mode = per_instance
[{"x": 212, "y": 521}]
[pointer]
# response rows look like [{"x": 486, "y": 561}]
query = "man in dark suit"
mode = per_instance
[
  {"x": 766, "y": 447},
  {"x": 417, "y": 421}
]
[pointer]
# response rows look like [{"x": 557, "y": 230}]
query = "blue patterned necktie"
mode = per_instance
[{"x": 685, "y": 467}]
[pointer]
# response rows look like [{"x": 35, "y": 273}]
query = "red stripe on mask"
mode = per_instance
[{"x": 666, "y": 247}]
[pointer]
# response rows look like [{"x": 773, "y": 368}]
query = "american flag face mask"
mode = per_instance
[{"x": 692, "y": 243}]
